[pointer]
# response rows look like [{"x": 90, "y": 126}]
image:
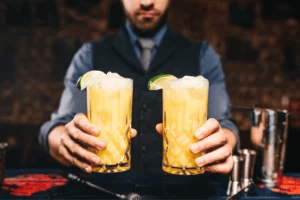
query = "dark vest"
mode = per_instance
[{"x": 176, "y": 55}]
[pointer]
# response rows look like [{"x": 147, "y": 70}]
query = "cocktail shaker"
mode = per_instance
[{"x": 271, "y": 129}]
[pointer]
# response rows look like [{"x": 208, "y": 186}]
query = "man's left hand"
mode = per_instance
[{"x": 217, "y": 142}]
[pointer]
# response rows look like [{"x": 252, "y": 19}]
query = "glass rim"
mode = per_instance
[
  {"x": 187, "y": 83},
  {"x": 125, "y": 81}
]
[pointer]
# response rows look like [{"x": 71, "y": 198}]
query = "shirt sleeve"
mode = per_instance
[
  {"x": 218, "y": 100},
  {"x": 73, "y": 100}
]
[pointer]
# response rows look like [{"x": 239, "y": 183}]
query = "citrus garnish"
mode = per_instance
[
  {"x": 160, "y": 81},
  {"x": 89, "y": 78}
]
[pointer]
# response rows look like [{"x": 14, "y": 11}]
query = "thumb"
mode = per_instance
[
  {"x": 159, "y": 128},
  {"x": 133, "y": 133}
]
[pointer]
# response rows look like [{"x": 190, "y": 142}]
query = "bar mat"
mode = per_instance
[
  {"x": 286, "y": 185},
  {"x": 29, "y": 184}
]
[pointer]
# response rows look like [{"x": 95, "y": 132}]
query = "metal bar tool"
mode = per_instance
[
  {"x": 130, "y": 196},
  {"x": 234, "y": 184},
  {"x": 249, "y": 157}
]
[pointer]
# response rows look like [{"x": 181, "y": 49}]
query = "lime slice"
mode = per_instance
[
  {"x": 89, "y": 78},
  {"x": 160, "y": 81}
]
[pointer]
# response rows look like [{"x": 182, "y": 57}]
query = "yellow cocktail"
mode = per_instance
[
  {"x": 184, "y": 111},
  {"x": 109, "y": 105}
]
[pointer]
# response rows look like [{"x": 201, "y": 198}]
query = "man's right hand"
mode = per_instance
[{"x": 69, "y": 144}]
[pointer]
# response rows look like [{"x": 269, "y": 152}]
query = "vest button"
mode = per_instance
[{"x": 145, "y": 107}]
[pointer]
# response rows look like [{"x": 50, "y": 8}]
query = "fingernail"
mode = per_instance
[
  {"x": 199, "y": 134},
  {"x": 193, "y": 148},
  {"x": 199, "y": 162},
  {"x": 87, "y": 169},
  {"x": 96, "y": 160},
  {"x": 101, "y": 145},
  {"x": 95, "y": 131}
]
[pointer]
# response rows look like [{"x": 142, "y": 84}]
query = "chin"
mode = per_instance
[{"x": 146, "y": 27}]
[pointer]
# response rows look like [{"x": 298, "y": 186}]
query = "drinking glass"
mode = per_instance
[
  {"x": 184, "y": 111},
  {"x": 109, "y": 106}
]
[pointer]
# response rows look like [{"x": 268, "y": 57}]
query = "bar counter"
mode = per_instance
[{"x": 211, "y": 186}]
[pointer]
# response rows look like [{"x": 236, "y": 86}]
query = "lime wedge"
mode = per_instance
[
  {"x": 160, "y": 81},
  {"x": 89, "y": 78}
]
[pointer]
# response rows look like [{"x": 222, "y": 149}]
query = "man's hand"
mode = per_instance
[
  {"x": 68, "y": 144},
  {"x": 218, "y": 143}
]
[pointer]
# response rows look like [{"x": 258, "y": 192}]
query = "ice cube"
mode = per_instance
[
  {"x": 112, "y": 83},
  {"x": 113, "y": 75},
  {"x": 189, "y": 82},
  {"x": 95, "y": 76},
  {"x": 201, "y": 78},
  {"x": 188, "y": 77}
]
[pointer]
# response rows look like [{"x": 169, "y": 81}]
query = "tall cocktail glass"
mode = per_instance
[
  {"x": 109, "y": 106},
  {"x": 184, "y": 111}
]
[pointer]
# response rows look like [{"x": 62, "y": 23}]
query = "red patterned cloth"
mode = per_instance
[
  {"x": 286, "y": 185},
  {"x": 28, "y": 184}
]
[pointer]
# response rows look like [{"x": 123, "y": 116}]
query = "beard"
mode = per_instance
[{"x": 146, "y": 27}]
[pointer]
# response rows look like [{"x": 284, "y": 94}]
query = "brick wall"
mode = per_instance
[{"x": 35, "y": 93}]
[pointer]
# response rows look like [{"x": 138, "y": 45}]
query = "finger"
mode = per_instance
[
  {"x": 159, "y": 128},
  {"x": 217, "y": 139},
  {"x": 86, "y": 139},
  {"x": 221, "y": 168},
  {"x": 81, "y": 121},
  {"x": 214, "y": 156},
  {"x": 64, "y": 161},
  {"x": 133, "y": 133},
  {"x": 84, "y": 166},
  {"x": 210, "y": 126},
  {"x": 81, "y": 152}
]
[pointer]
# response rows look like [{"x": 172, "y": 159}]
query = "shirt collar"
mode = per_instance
[{"x": 157, "y": 38}]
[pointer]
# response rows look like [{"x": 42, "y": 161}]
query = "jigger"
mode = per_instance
[
  {"x": 234, "y": 184},
  {"x": 249, "y": 157}
]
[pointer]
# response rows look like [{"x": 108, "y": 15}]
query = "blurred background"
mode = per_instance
[{"x": 258, "y": 41}]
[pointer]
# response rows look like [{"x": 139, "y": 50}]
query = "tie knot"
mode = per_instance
[{"x": 146, "y": 43}]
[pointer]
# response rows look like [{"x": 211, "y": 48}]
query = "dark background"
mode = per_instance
[{"x": 258, "y": 42}]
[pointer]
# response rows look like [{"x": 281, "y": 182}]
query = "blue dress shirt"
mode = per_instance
[{"x": 73, "y": 101}]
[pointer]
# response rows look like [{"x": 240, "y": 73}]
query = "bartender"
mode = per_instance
[{"x": 68, "y": 134}]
